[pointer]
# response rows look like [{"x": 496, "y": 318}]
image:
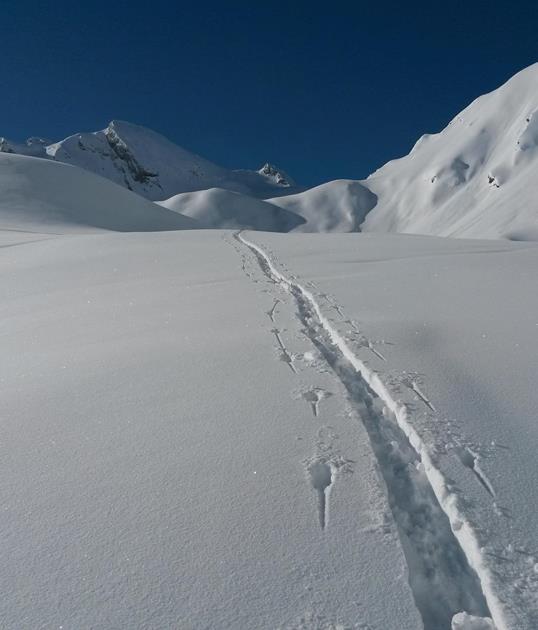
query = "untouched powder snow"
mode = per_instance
[
  {"x": 338, "y": 206},
  {"x": 218, "y": 208},
  {"x": 43, "y": 196},
  {"x": 474, "y": 179}
]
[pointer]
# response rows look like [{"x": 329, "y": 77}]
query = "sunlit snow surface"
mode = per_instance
[
  {"x": 268, "y": 431},
  {"x": 477, "y": 178},
  {"x": 474, "y": 179}
]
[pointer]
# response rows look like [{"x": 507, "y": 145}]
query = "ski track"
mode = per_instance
[{"x": 447, "y": 569}]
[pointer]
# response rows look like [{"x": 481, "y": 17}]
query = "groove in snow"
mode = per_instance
[{"x": 447, "y": 572}]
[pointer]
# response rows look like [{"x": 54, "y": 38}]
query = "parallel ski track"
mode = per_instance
[{"x": 368, "y": 385}]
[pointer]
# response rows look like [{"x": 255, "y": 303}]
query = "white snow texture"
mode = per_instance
[{"x": 227, "y": 429}]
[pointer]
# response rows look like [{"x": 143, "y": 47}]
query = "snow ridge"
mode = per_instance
[
  {"x": 368, "y": 393},
  {"x": 476, "y": 178}
]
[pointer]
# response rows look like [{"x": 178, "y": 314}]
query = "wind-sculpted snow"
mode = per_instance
[
  {"x": 44, "y": 196},
  {"x": 218, "y": 208},
  {"x": 474, "y": 179},
  {"x": 338, "y": 206}
]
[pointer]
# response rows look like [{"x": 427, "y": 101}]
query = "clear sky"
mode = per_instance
[{"x": 322, "y": 89}]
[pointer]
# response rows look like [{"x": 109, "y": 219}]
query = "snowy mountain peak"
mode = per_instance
[
  {"x": 275, "y": 174},
  {"x": 33, "y": 146},
  {"x": 5, "y": 146},
  {"x": 149, "y": 164}
]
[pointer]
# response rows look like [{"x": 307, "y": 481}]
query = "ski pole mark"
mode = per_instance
[
  {"x": 321, "y": 478},
  {"x": 376, "y": 352},
  {"x": 362, "y": 340},
  {"x": 353, "y": 324},
  {"x": 470, "y": 460},
  {"x": 314, "y": 396},
  {"x": 422, "y": 396},
  {"x": 337, "y": 308},
  {"x": 332, "y": 303},
  {"x": 323, "y": 468},
  {"x": 285, "y": 356},
  {"x": 271, "y": 312},
  {"x": 412, "y": 384}
]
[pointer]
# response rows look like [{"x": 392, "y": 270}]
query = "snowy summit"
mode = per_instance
[{"x": 147, "y": 163}]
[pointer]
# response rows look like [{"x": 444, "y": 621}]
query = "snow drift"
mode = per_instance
[
  {"x": 219, "y": 208},
  {"x": 41, "y": 195},
  {"x": 338, "y": 206}
]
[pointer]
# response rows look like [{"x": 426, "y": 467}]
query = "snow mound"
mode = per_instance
[
  {"x": 218, "y": 208},
  {"x": 149, "y": 164},
  {"x": 41, "y": 195},
  {"x": 474, "y": 179},
  {"x": 338, "y": 206}
]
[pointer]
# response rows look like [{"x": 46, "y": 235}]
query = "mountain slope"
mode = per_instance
[
  {"x": 218, "y": 208},
  {"x": 147, "y": 163},
  {"x": 41, "y": 195},
  {"x": 474, "y": 179}
]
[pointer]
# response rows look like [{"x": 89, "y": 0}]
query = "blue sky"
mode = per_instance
[{"x": 324, "y": 90}]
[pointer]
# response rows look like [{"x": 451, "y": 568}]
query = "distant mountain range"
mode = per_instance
[
  {"x": 476, "y": 178},
  {"x": 150, "y": 165}
]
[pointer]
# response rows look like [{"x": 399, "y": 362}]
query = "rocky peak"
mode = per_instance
[
  {"x": 122, "y": 151},
  {"x": 278, "y": 176}
]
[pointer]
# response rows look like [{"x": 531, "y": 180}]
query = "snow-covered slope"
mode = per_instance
[
  {"x": 219, "y": 208},
  {"x": 474, "y": 179},
  {"x": 435, "y": 343},
  {"x": 147, "y": 163},
  {"x": 477, "y": 178},
  {"x": 200, "y": 434},
  {"x": 159, "y": 462},
  {"x": 46, "y": 196},
  {"x": 338, "y": 206}
]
